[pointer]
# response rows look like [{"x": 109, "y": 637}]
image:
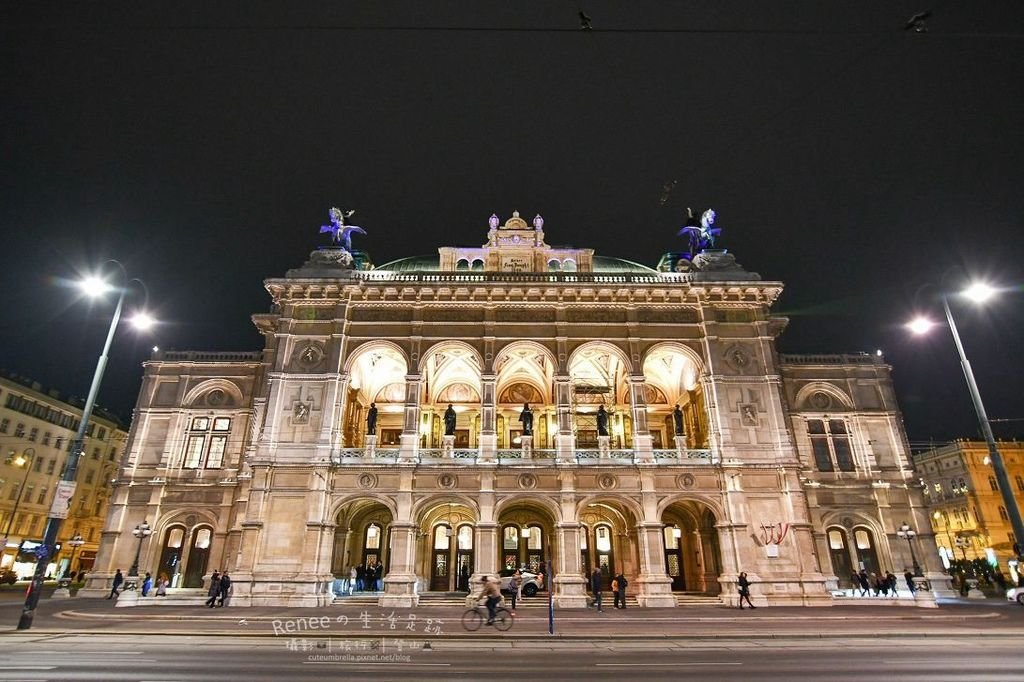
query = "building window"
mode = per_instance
[
  {"x": 14, "y": 492},
  {"x": 206, "y": 446},
  {"x": 46, "y": 437},
  {"x": 1003, "y": 515},
  {"x": 830, "y": 443},
  {"x": 5, "y": 424},
  {"x": 59, "y": 443},
  {"x": 1020, "y": 484},
  {"x": 96, "y": 453},
  {"x": 29, "y": 489},
  {"x": 37, "y": 466},
  {"x": 19, "y": 431},
  {"x": 102, "y": 433},
  {"x": 50, "y": 466},
  {"x": 42, "y": 496},
  {"x": 993, "y": 484},
  {"x": 33, "y": 434}
]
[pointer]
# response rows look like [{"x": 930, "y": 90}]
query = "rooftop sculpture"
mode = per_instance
[
  {"x": 700, "y": 235},
  {"x": 341, "y": 233}
]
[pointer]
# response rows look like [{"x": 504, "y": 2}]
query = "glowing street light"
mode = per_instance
[
  {"x": 93, "y": 286},
  {"x": 979, "y": 292}
]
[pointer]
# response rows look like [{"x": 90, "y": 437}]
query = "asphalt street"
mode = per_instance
[{"x": 152, "y": 658}]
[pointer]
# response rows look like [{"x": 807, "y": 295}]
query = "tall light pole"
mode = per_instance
[
  {"x": 22, "y": 460},
  {"x": 93, "y": 286},
  {"x": 963, "y": 543},
  {"x": 979, "y": 293},
  {"x": 908, "y": 533}
]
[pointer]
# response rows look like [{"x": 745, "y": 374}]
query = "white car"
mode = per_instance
[
  {"x": 532, "y": 582},
  {"x": 1015, "y": 594}
]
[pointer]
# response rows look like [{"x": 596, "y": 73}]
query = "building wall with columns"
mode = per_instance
[{"x": 329, "y": 448}]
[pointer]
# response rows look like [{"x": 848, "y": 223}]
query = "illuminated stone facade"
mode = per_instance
[{"x": 261, "y": 463}]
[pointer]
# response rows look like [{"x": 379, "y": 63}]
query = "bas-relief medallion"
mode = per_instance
[
  {"x": 447, "y": 481},
  {"x": 366, "y": 481},
  {"x": 527, "y": 481}
]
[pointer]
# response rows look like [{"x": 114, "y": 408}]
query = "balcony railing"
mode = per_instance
[{"x": 517, "y": 457}]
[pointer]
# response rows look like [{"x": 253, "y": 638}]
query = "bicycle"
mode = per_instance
[{"x": 474, "y": 617}]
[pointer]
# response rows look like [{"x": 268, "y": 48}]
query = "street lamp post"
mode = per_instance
[
  {"x": 76, "y": 541},
  {"x": 979, "y": 293},
  {"x": 141, "y": 531},
  {"x": 962, "y": 544},
  {"x": 908, "y": 533},
  {"x": 66, "y": 486},
  {"x": 22, "y": 460}
]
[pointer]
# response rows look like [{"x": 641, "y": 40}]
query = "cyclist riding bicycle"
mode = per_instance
[{"x": 492, "y": 591}]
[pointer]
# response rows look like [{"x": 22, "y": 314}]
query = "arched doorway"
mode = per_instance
[
  {"x": 839, "y": 553},
  {"x": 171, "y": 553},
  {"x": 526, "y": 538},
  {"x": 447, "y": 532},
  {"x": 198, "y": 556},
  {"x": 692, "y": 551},
  {"x": 671, "y": 378},
  {"x": 607, "y": 539},
  {"x": 867, "y": 553},
  {"x": 363, "y": 540}
]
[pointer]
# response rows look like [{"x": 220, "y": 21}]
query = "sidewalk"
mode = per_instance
[{"x": 88, "y": 616}]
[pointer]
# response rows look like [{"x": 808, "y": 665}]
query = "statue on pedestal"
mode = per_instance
[
  {"x": 371, "y": 420},
  {"x": 700, "y": 235},
  {"x": 341, "y": 233},
  {"x": 677, "y": 418},
  {"x": 602, "y": 421},
  {"x": 449, "y": 421},
  {"x": 526, "y": 418}
]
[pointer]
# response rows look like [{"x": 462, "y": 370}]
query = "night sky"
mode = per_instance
[{"x": 851, "y": 159}]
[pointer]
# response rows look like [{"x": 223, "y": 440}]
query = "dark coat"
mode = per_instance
[
  {"x": 596, "y": 581},
  {"x": 214, "y": 586},
  {"x": 225, "y": 585},
  {"x": 744, "y": 586}
]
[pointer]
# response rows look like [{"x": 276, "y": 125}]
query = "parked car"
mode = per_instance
[
  {"x": 8, "y": 576},
  {"x": 532, "y": 582},
  {"x": 1015, "y": 594}
]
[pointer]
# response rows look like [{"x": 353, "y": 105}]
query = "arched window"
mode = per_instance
[
  {"x": 534, "y": 548},
  {"x": 478, "y": 265},
  {"x": 170, "y": 555},
  {"x": 569, "y": 265},
  {"x": 465, "y": 537},
  {"x": 673, "y": 540},
  {"x": 372, "y": 537},
  {"x": 510, "y": 546},
  {"x": 442, "y": 536},
  {"x": 992, "y": 483},
  {"x": 603, "y": 551},
  {"x": 198, "y": 556},
  {"x": 554, "y": 265},
  {"x": 463, "y": 264},
  {"x": 1003, "y": 515}
]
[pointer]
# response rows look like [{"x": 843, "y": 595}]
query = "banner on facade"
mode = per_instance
[{"x": 62, "y": 499}]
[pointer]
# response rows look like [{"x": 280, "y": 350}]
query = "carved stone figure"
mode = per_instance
[
  {"x": 526, "y": 418},
  {"x": 677, "y": 419},
  {"x": 371, "y": 419},
  {"x": 700, "y": 235},
  {"x": 493, "y": 221},
  {"x": 449, "y": 421},
  {"x": 602, "y": 421}
]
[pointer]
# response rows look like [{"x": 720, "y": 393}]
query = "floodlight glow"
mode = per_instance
[
  {"x": 920, "y": 325},
  {"x": 979, "y": 292},
  {"x": 142, "y": 321},
  {"x": 94, "y": 287}
]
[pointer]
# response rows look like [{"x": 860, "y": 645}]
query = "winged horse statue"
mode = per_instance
[
  {"x": 701, "y": 236},
  {"x": 340, "y": 232}
]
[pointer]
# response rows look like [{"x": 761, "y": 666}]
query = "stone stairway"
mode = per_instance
[
  {"x": 697, "y": 599},
  {"x": 458, "y": 599}
]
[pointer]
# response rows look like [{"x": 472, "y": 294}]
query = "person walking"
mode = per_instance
[
  {"x": 353, "y": 576},
  {"x": 623, "y": 584},
  {"x": 214, "y": 590},
  {"x": 909, "y": 577},
  {"x": 615, "y": 592},
  {"x": 225, "y": 589},
  {"x": 744, "y": 586},
  {"x": 596, "y": 584},
  {"x": 161, "y": 585},
  {"x": 147, "y": 584},
  {"x": 116, "y": 588},
  {"x": 865, "y": 585},
  {"x": 514, "y": 585}
]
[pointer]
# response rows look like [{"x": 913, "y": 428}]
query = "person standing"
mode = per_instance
[
  {"x": 596, "y": 584},
  {"x": 514, "y": 585},
  {"x": 214, "y": 590},
  {"x": 225, "y": 589},
  {"x": 615, "y": 592},
  {"x": 464, "y": 578},
  {"x": 116, "y": 588},
  {"x": 147, "y": 584},
  {"x": 909, "y": 577},
  {"x": 623, "y": 583},
  {"x": 378, "y": 576},
  {"x": 744, "y": 586},
  {"x": 865, "y": 585},
  {"x": 161, "y": 585},
  {"x": 353, "y": 576},
  {"x": 360, "y": 577}
]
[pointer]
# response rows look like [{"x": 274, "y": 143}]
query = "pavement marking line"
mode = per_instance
[
  {"x": 382, "y": 663},
  {"x": 650, "y": 665},
  {"x": 30, "y": 667}
]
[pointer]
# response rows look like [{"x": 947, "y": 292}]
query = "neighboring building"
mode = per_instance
[
  {"x": 968, "y": 514},
  {"x": 792, "y": 468},
  {"x": 37, "y": 428}
]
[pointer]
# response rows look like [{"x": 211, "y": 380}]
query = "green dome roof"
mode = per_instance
[{"x": 602, "y": 264}]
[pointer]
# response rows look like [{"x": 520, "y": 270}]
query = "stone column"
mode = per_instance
[
  {"x": 488, "y": 417},
  {"x": 655, "y": 587},
  {"x": 333, "y": 412},
  {"x": 565, "y": 441},
  {"x": 339, "y": 563},
  {"x": 485, "y": 551},
  {"x": 400, "y": 582},
  {"x": 410, "y": 439},
  {"x": 569, "y": 583}
]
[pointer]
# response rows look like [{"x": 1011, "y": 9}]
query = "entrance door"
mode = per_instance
[
  {"x": 603, "y": 553},
  {"x": 464, "y": 557},
  {"x": 674, "y": 557},
  {"x": 198, "y": 556},
  {"x": 440, "y": 570},
  {"x": 839, "y": 552},
  {"x": 170, "y": 555},
  {"x": 534, "y": 549},
  {"x": 866, "y": 555}
]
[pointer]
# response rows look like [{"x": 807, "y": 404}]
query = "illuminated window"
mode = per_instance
[
  {"x": 203, "y": 449},
  {"x": 604, "y": 539},
  {"x": 373, "y": 536},
  {"x": 465, "y": 537},
  {"x": 862, "y": 538},
  {"x": 993, "y": 484},
  {"x": 830, "y": 444},
  {"x": 1003, "y": 515},
  {"x": 203, "y": 537},
  {"x": 441, "y": 540},
  {"x": 534, "y": 541},
  {"x": 510, "y": 537},
  {"x": 671, "y": 541},
  {"x": 836, "y": 540}
]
